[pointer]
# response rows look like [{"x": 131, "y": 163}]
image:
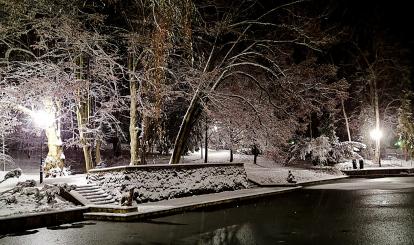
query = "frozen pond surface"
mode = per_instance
[{"x": 364, "y": 211}]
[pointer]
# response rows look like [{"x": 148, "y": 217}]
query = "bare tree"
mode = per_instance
[{"x": 64, "y": 67}]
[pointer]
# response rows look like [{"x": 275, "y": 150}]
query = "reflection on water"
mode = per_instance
[
  {"x": 23, "y": 233},
  {"x": 233, "y": 234},
  {"x": 70, "y": 226}
]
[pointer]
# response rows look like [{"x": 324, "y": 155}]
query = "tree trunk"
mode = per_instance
[
  {"x": 144, "y": 139},
  {"x": 206, "y": 143},
  {"x": 231, "y": 143},
  {"x": 98, "y": 157},
  {"x": 83, "y": 114},
  {"x": 377, "y": 125},
  {"x": 55, "y": 157},
  {"x": 201, "y": 149},
  {"x": 3, "y": 148},
  {"x": 310, "y": 125},
  {"x": 185, "y": 129},
  {"x": 116, "y": 146},
  {"x": 346, "y": 121},
  {"x": 133, "y": 121}
]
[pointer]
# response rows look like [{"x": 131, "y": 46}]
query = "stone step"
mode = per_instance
[
  {"x": 88, "y": 191},
  {"x": 88, "y": 188},
  {"x": 94, "y": 195},
  {"x": 98, "y": 199},
  {"x": 97, "y": 194},
  {"x": 81, "y": 199},
  {"x": 106, "y": 202}
]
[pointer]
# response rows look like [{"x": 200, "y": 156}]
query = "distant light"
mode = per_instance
[
  {"x": 375, "y": 134},
  {"x": 43, "y": 119},
  {"x": 215, "y": 128}
]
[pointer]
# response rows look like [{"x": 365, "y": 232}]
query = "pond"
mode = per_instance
[{"x": 370, "y": 211}]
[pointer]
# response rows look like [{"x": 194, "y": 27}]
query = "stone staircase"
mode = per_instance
[
  {"x": 93, "y": 195},
  {"x": 102, "y": 206}
]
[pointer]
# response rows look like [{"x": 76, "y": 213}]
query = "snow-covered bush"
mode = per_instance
[
  {"x": 322, "y": 151},
  {"x": 6, "y": 161},
  {"x": 346, "y": 150}
]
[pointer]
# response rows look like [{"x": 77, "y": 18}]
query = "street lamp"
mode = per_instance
[
  {"x": 43, "y": 120},
  {"x": 376, "y": 135}
]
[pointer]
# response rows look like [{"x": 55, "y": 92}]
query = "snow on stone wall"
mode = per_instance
[{"x": 160, "y": 182}]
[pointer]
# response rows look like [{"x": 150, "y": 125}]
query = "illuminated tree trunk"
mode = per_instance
[
  {"x": 185, "y": 129},
  {"x": 377, "y": 125},
  {"x": 83, "y": 114},
  {"x": 160, "y": 46},
  {"x": 346, "y": 121},
  {"x": 55, "y": 157},
  {"x": 133, "y": 121}
]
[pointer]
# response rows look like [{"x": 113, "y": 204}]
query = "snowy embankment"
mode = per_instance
[
  {"x": 25, "y": 197},
  {"x": 385, "y": 163},
  {"x": 154, "y": 183}
]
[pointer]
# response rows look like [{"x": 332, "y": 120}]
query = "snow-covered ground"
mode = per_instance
[
  {"x": 78, "y": 179},
  {"x": 29, "y": 204},
  {"x": 267, "y": 171},
  {"x": 26, "y": 197},
  {"x": 26, "y": 200}
]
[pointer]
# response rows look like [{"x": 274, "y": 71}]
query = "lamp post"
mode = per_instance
[
  {"x": 376, "y": 135},
  {"x": 43, "y": 120}
]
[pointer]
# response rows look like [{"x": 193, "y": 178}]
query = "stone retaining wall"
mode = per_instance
[
  {"x": 379, "y": 172},
  {"x": 160, "y": 182}
]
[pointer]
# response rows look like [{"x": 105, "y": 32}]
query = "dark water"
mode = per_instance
[{"x": 377, "y": 211}]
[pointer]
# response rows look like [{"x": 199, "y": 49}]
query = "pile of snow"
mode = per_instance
[
  {"x": 25, "y": 197},
  {"x": 165, "y": 183},
  {"x": 55, "y": 172}
]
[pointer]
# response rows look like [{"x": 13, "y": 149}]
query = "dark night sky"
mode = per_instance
[{"x": 395, "y": 17}]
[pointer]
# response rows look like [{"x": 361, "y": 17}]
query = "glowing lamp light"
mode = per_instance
[
  {"x": 375, "y": 134},
  {"x": 43, "y": 119},
  {"x": 215, "y": 128}
]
